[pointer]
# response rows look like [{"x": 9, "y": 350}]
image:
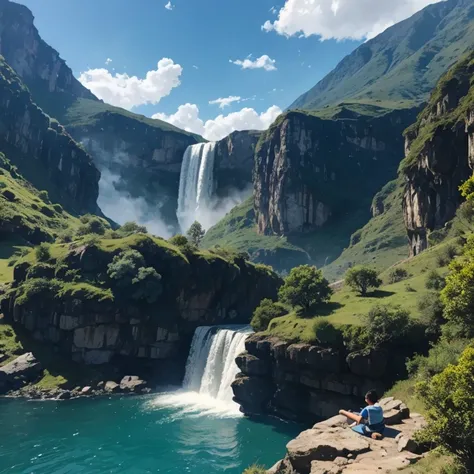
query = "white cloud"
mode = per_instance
[
  {"x": 341, "y": 19},
  {"x": 263, "y": 62},
  {"x": 169, "y": 6},
  {"x": 108, "y": 61},
  {"x": 195, "y": 67},
  {"x": 127, "y": 91},
  {"x": 273, "y": 10},
  {"x": 225, "y": 101},
  {"x": 187, "y": 118}
]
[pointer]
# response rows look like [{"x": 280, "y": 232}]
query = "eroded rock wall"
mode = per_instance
[
  {"x": 309, "y": 170},
  {"x": 304, "y": 382},
  {"x": 439, "y": 157}
]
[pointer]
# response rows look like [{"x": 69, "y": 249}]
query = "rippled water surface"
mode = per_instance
[{"x": 167, "y": 433}]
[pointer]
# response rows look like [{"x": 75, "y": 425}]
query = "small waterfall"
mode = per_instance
[
  {"x": 196, "y": 185},
  {"x": 211, "y": 366}
]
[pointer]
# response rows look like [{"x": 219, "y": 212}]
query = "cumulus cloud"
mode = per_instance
[
  {"x": 224, "y": 102},
  {"x": 127, "y": 91},
  {"x": 342, "y": 19},
  {"x": 187, "y": 118},
  {"x": 108, "y": 61},
  {"x": 169, "y": 6},
  {"x": 263, "y": 62}
]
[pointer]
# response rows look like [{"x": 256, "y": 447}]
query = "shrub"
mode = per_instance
[
  {"x": 458, "y": 296},
  {"x": 450, "y": 398},
  {"x": 326, "y": 333},
  {"x": 196, "y": 233},
  {"x": 354, "y": 337},
  {"x": 431, "y": 313},
  {"x": 434, "y": 281},
  {"x": 47, "y": 211},
  {"x": 397, "y": 274},
  {"x": 306, "y": 287},
  {"x": 93, "y": 225},
  {"x": 132, "y": 228},
  {"x": 147, "y": 285},
  {"x": 255, "y": 469},
  {"x": 46, "y": 288},
  {"x": 385, "y": 324},
  {"x": 58, "y": 208},
  {"x": 124, "y": 267},
  {"x": 65, "y": 236},
  {"x": 44, "y": 196},
  {"x": 266, "y": 312},
  {"x": 9, "y": 195},
  {"x": 179, "y": 240},
  {"x": 361, "y": 279},
  {"x": 445, "y": 255},
  {"x": 43, "y": 252}
]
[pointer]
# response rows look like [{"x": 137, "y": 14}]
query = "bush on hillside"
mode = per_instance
[
  {"x": 355, "y": 337},
  {"x": 9, "y": 195},
  {"x": 132, "y": 228},
  {"x": 43, "y": 252},
  {"x": 147, "y": 285},
  {"x": 431, "y": 311},
  {"x": 179, "y": 240},
  {"x": 44, "y": 196},
  {"x": 124, "y": 267},
  {"x": 397, "y": 274},
  {"x": 65, "y": 237},
  {"x": 385, "y": 324},
  {"x": 434, "y": 281},
  {"x": 450, "y": 398},
  {"x": 58, "y": 208},
  {"x": 361, "y": 279},
  {"x": 458, "y": 296},
  {"x": 326, "y": 333},
  {"x": 92, "y": 225},
  {"x": 265, "y": 313},
  {"x": 196, "y": 233},
  {"x": 445, "y": 255},
  {"x": 45, "y": 287},
  {"x": 306, "y": 287}
]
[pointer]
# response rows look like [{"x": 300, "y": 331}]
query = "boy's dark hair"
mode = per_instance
[{"x": 372, "y": 396}]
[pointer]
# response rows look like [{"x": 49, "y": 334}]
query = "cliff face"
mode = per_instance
[
  {"x": 439, "y": 156},
  {"x": 304, "y": 382},
  {"x": 234, "y": 161},
  {"x": 45, "y": 154},
  {"x": 309, "y": 170},
  {"x": 95, "y": 323},
  {"x": 39, "y": 65}
]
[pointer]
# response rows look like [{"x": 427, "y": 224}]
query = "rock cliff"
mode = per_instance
[
  {"x": 73, "y": 303},
  {"x": 311, "y": 171},
  {"x": 439, "y": 155},
  {"x": 42, "y": 150},
  {"x": 303, "y": 382}
]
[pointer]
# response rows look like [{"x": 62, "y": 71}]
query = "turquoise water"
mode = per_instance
[{"x": 168, "y": 433}]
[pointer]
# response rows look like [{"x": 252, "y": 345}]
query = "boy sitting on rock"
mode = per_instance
[{"x": 370, "y": 421}]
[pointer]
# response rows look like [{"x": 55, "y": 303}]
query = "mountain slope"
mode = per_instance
[{"x": 401, "y": 66}]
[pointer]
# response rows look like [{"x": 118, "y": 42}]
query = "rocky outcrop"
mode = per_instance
[
  {"x": 309, "y": 170},
  {"x": 234, "y": 162},
  {"x": 22, "y": 370},
  {"x": 439, "y": 156},
  {"x": 331, "y": 447},
  {"x": 108, "y": 323},
  {"x": 50, "y": 80},
  {"x": 43, "y": 151},
  {"x": 305, "y": 382}
]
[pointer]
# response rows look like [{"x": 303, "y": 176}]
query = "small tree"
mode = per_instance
[
  {"x": 450, "y": 398},
  {"x": 305, "y": 286},
  {"x": 147, "y": 285},
  {"x": 124, "y": 267},
  {"x": 361, "y": 279},
  {"x": 384, "y": 324},
  {"x": 265, "y": 313},
  {"x": 196, "y": 233},
  {"x": 132, "y": 228},
  {"x": 179, "y": 240},
  {"x": 43, "y": 252}
]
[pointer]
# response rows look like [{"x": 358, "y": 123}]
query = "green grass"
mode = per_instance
[
  {"x": 10, "y": 345},
  {"x": 435, "y": 462},
  {"x": 405, "y": 390},
  {"x": 85, "y": 291}
]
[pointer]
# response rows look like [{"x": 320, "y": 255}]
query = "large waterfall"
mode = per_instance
[
  {"x": 210, "y": 371},
  {"x": 196, "y": 185}
]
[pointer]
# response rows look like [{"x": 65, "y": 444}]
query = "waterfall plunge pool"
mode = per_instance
[{"x": 197, "y": 429}]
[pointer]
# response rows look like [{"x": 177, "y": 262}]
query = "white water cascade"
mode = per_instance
[
  {"x": 196, "y": 185},
  {"x": 210, "y": 371}
]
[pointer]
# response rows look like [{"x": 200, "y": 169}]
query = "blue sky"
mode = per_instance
[{"x": 202, "y": 36}]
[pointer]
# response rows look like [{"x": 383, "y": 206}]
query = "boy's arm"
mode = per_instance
[{"x": 352, "y": 416}]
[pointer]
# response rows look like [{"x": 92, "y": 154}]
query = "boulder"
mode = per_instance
[
  {"x": 252, "y": 365},
  {"x": 253, "y": 393},
  {"x": 112, "y": 387},
  {"x": 371, "y": 364},
  {"x": 395, "y": 411},
  {"x": 24, "y": 369},
  {"x": 132, "y": 383},
  {"x": 86, "y": 390},
  {"x": 327, "y": 445},
  {"x": 64, "y": 395}
]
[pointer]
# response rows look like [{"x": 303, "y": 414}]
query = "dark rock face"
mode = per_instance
[
  {"x": 309, "y": 170},
  {"x": 234, "y": 161},
  {"x": 439, "y": 149},
  {"x": 24, "y": 369},
  {"x": 303, "y": 382},
  {"x": 46, "y": 74},
  {"x": 44, "y": 153}
]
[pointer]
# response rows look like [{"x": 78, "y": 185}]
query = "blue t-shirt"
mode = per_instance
[{"x": 373, "y": 414}]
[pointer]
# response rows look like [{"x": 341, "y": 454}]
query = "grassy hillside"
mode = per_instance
[{"x": 400, "y": 66}]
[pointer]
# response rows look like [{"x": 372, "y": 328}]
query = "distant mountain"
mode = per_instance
[{"x": 399, "y": 67}]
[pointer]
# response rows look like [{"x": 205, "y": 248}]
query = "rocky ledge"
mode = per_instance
[
  {"x": 304, "y": 382},
  {"x": 331, "y": 447}
]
